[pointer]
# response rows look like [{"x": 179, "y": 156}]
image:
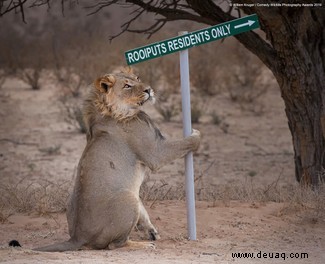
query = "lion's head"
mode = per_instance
[{"x": 120, "y": 94}]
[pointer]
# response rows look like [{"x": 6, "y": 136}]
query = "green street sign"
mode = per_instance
[{"x": 190, "y": 40}]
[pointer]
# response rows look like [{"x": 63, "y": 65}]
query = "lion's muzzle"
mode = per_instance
[{"x": 149, "y": 94}]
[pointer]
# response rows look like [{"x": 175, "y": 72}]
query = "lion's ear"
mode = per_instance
[
  {"x": 103, "y": 84},
  {"x": 129, "y": 70}
]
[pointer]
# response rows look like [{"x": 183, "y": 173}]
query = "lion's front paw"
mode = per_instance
[
  {"x": 153, "y": 234},
  {"x": 196, "y": 135}
]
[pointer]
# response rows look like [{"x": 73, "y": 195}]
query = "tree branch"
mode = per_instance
[
  {"x": 99, "y": 6},
  {"x": 192, "y": 10},
  {"x": 170, "y": 11},
  {"x": 19, "y": 6},
  {"x": 252, "y": 41},
  {"x": 150, "y": 30},
  {"x": 13, "y": 5}
]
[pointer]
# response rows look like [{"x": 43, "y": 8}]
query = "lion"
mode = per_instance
[{"x": 122, "y": 143}]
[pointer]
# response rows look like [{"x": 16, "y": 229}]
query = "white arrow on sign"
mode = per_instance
[{"x": 248, "y": 23}]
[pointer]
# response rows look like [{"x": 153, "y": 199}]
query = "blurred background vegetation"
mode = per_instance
[{"x": 72, "y": 48}]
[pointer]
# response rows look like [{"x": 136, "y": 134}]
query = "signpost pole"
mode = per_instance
[{"x": 187, "y": 131}]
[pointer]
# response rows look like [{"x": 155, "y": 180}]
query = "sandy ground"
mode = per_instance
[
  {"x": 222, "y": 231},
  {"x": 37, "y": 145}
]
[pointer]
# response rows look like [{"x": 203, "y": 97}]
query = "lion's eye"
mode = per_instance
[{"x": 127, "y": 86}]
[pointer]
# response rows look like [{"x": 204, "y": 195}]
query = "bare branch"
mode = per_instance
[
  {"x": 193, "y": 10},
  {"x": 13, "y": 6},
  {"x": 207, "y": 13},
  {"x": 99, "y": 6},
  {"x": 38, "y": 3},
  {"x": 152, "y": 29},
  {"x": 62, "y": 7},
  {"x": 252, "y": 41},
  {"x": 125, "y": 27},
  {"x": 22, "y": 11},
  {"x": 18, "y": 6},
  {"x": 171, "y": 10}
]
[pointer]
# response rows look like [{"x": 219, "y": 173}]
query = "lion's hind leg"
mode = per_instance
[
  {"x": 119, "y": 219},
  {"x": 144, "y": 224}
]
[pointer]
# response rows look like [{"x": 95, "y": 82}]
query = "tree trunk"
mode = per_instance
[
  {"x": 296, "y": 57},
  {"x": 305, "y": 112},
  {"x": 298, "y": 37}
]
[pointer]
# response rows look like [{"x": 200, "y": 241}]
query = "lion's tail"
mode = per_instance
[{"x": 62, "y": 246}]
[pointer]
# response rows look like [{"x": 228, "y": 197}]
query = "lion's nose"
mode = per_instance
[{"x": 147, "y": 91}]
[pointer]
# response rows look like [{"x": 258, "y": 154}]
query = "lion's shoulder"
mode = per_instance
[{"x": 143, "y": 117}]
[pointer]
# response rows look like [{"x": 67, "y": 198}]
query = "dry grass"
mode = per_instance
[
  {"x": 31, "y": 77},
  {"x": 43, "y": 197},
  {"x": 72, "y": 111},
  {"x": 160, "y": 190},
  {"x": 3, "y": 77},
  {"x": 196, "y": 111},
  {"x": 295, "y": 197},
  {"x": 167, "y": 111},
  {"x": 48, "y": 197},
  {"x": 168, "y": 104}
]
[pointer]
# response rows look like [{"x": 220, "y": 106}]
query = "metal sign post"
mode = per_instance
[{"x": 187, "y": 131}]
